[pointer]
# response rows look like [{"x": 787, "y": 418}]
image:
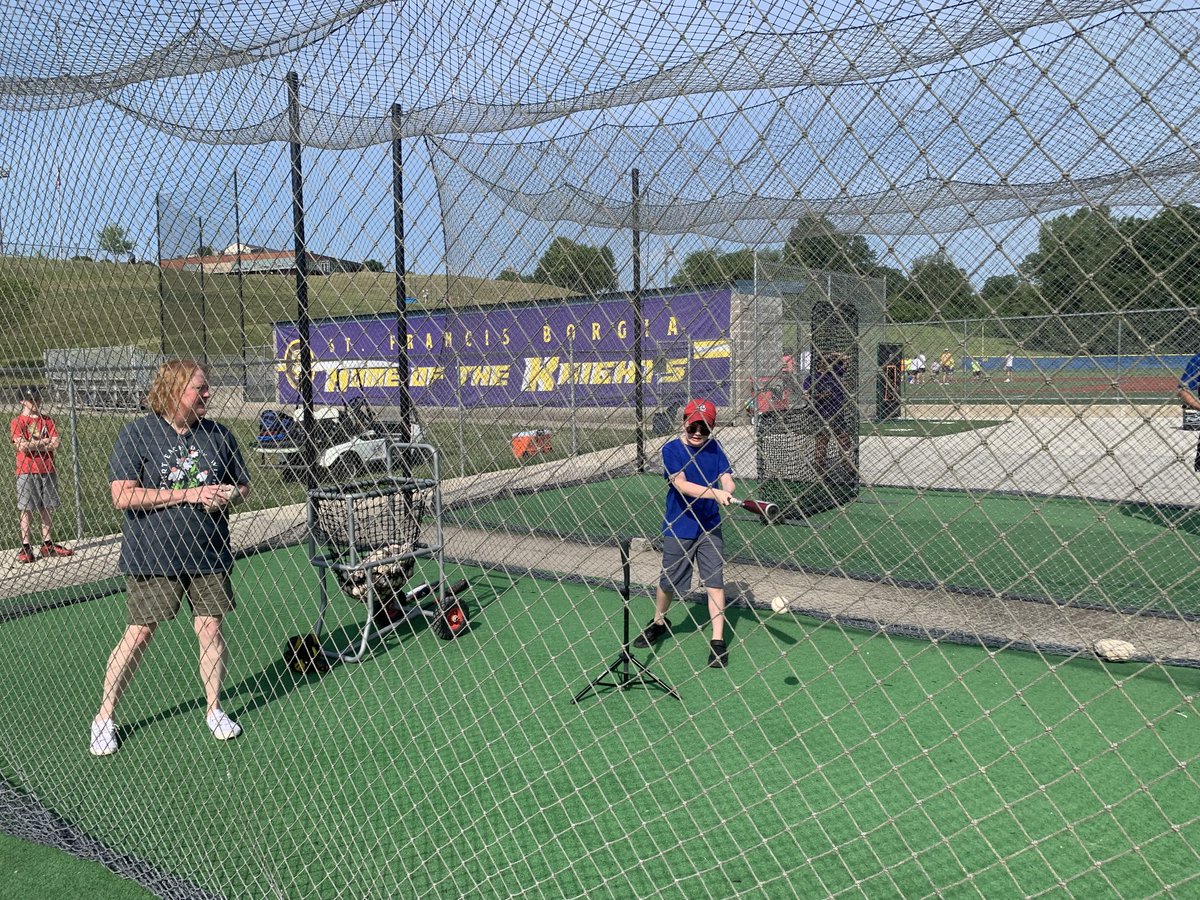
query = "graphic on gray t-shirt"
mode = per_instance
[{"x": 184, "y": 538}]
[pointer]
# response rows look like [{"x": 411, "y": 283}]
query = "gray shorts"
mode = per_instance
[
  {"x": 156, "y": 598},
  {"x": 708, "y": 554},
  {"x": 37, "y": 491}
]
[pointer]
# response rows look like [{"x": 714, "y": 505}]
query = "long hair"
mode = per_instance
[{"x": 169, "y": 383}]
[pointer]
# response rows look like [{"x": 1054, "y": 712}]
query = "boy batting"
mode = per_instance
[{"x": 699, "y": 483}]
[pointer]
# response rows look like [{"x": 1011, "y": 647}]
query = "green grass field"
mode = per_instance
[
  {"x": 923, "y": 428},
  {"x": 822, "y": 761},
  {"x": 1157, "y": 386},
  {"x": 36, "y": 870}
]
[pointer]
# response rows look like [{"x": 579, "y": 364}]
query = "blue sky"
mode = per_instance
[{"x": 74, "y": 170}]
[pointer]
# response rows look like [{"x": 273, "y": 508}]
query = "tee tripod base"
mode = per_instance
[
  {"x": 624, "y": 678},
  {"x": 626, "y": 670}
]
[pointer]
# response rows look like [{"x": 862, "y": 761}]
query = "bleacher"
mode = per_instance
[{"x": 100, "y": 377}]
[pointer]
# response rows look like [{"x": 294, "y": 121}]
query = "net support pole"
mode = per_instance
[
  {"x": 203, "y": 300},
  {"x": 401, "y": 279},
  {"x": 162, "y": 304},
  {"x": 237, "y": 249},
  {"x": 303, "y": 323},
  {"x": 639, "y": 396},
  {"x": 76, "y": 469}
]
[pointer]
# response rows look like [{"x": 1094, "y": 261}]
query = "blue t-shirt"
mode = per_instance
[
  {"x": 686, "y": 518},
  {"x": 1190, "y": 379},
  {"x": 183, "y": 539}
]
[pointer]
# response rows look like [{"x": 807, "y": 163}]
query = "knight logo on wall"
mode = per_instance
[{"x": 560, "y": 353}]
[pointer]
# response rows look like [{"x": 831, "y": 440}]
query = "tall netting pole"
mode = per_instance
[
  {"x": 200, "y": 250},
  {"x": 237, "y": 249},
  {"x": 639, "y": 400},
  {"x": 303, "y": 323},
  {"x": 162, "y": 304},
  {"x": 401, "y": 280}
]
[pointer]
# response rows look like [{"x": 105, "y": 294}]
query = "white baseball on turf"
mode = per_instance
[
  {"x": 1113, "y": 650},
  {"x": 779, "y": 604}
]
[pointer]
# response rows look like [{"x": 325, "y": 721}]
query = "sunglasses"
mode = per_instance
[{"x": 698, "y": 428}]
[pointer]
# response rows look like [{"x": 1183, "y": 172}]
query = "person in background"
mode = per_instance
[
  {"x": 174, "y": 474},
  {"x": 1008, "y": 368},
  {"x": 828, "y": 394},
  {"x": 36, "y": 439},
  {"x": 946, "y": 364},
  {"x": 1188, "y": 393},
  {"x": 699, "y": 483}
]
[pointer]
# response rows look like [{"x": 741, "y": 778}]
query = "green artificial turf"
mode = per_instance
[
  {"x": 30, "y": 870},
  {"x": 822, "y": 761},
  {"x": 1110, "y": 555}
]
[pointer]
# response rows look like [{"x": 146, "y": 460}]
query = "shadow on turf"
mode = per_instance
[
  {"x": 741, "y": 606},
  {"x": 278, "y": 679},
  {"x": 254, "y": 691},
  {"x": 1165, "y": 515}
]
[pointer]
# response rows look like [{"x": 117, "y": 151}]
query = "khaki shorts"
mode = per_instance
[{"x": 150, "y": 599}]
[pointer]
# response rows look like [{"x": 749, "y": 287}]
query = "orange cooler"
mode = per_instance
[{"x": 531, "y": 443}]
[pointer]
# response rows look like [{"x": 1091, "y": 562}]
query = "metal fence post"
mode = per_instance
[
  {"x": 76, "y": 468},
  {"x": 574, "y": 416}
]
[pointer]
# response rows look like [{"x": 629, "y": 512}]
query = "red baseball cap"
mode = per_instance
[{"x": 700, "y": 410}]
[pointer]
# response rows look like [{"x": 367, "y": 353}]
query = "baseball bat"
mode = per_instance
[{"x": 764, "y": 509}]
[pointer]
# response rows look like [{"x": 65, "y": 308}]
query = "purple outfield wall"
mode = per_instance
[{"x": 563, "y": 353}]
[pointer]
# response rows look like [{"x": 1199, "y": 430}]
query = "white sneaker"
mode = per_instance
[
  {"x": 222, "y": 727},
  {"x": 104, "y": 738}
]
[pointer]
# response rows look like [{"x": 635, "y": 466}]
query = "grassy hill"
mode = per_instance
[
  {"x": 56, "y": 303},
  {"x": 930, "y": 339}
]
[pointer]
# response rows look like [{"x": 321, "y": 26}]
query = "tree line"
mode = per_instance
[{"x": 1129, "y": 269}]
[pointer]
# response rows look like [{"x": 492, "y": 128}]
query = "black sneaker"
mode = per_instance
[
  {"x": 652, "y": 634},
  {"x": 718, "y": 655}
]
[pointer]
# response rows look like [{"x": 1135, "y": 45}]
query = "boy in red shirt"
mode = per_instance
[{"x": 36, "y": 439}]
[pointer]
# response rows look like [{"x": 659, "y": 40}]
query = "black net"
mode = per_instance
[{"x": 937, "y": 267}]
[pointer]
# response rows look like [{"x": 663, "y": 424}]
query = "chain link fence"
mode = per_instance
[{"x": 936, "y": 270}]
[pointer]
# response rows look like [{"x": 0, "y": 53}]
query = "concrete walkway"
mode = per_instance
[{"x": 1119, "y": 457}]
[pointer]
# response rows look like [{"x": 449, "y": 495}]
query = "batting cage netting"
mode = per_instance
[{"x": 379, "y": 373}]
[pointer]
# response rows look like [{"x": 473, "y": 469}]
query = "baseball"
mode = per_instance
[
  {"x": 779, "y": 604},
  {"x": 1113, "y": 650}
]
